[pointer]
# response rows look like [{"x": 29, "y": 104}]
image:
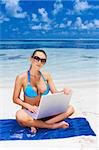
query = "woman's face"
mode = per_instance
[{"x": 38, "y": 60}]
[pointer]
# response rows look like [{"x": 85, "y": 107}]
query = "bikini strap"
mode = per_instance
[
  {"x": 43, "y": 76},
  {"x": 29, "y": 76}
]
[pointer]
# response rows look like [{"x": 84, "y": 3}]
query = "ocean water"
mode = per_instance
[{"x": 73, "y": 63}]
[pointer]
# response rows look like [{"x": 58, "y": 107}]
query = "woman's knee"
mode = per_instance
[
  {"x": 19, "y": 117},
  {"x": 72, "y": 110},
  {"x": 22, "y": 117}
]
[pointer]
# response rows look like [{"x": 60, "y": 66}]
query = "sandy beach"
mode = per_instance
[
  {"x": 77, "y": 69},
  {"x": 85, "y": 101}
]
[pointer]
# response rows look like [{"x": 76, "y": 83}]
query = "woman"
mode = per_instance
[{"x": 35, "y": 84}]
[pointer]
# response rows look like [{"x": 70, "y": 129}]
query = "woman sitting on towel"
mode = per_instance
[{"x": 36, "y": 84}]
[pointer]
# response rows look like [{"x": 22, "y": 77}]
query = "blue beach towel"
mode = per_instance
[{"x": 11, "y": 130}]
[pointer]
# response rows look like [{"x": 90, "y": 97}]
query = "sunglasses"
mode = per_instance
[{"x": 40, "y": 59}]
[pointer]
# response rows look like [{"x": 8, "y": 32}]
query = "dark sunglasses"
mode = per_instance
[{"x": 40, "y": 59}]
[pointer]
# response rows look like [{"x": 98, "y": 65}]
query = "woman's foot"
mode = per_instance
[
  {"x": 33, "y": 130},
  {"x": 61, "y": 124}
]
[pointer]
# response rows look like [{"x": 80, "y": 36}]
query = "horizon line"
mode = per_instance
[{"x": 50, "y": 39}]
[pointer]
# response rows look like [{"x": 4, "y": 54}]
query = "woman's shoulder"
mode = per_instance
[
  {"x": 21, "y": 76},
  {"x": 46, "y": 74}
]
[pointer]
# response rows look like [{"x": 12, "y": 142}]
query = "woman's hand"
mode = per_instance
[
  {"x": 31, "y": 108},
  {"x": 67, "y": 90}
]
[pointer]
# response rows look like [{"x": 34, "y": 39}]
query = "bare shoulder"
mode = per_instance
[
  {"x": 21, "y": 77},
  {"x": 46, "y": 74}
]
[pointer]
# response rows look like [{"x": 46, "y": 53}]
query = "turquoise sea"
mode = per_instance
[{"x": 73, "y": 63}]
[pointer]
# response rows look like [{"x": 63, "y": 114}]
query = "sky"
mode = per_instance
[{"x": 49, "y": 19}]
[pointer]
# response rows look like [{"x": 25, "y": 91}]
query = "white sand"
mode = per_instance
[{"x": 85, "y": 101}]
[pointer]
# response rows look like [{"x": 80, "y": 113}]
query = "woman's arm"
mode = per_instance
[
  {"x": 16, "y": 95},
  {"x": 53, "y": 88},
  {"x": 17, "y": 91}
]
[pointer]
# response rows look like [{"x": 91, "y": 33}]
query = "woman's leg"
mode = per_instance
[
  {"x": 24, "y": 119},
  {"x": 61, "y": 116}
]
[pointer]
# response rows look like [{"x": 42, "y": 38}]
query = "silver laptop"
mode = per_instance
[{"x": 52, "y": 105}]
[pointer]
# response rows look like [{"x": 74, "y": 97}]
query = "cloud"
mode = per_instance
[
  {"x": 15, "y": 29},
  {"x": 58, "y": 6},
  {"x": 43, "y": 20},
  {"x": 96, "y": 23},
  {"x": 69, "y": 12},
  {"x": 79, "y": 24},
  {"x": 62, "y": 25},
  {"x": 34, "y": 18},
  {"x": 44, "y": 15},
  {"x": 69, "y": 22},
  {"x": 13, "y": 9},
  {"x": 56, "y": 25},
  {"x": 45, "y": 27},
  {"x": 36, "y": 27},
  {"x": 3, "y": 18},
  {"x": 81, "y": 5}
]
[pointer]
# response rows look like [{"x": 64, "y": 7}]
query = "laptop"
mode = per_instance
[{"x": 52, "y": 105}]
